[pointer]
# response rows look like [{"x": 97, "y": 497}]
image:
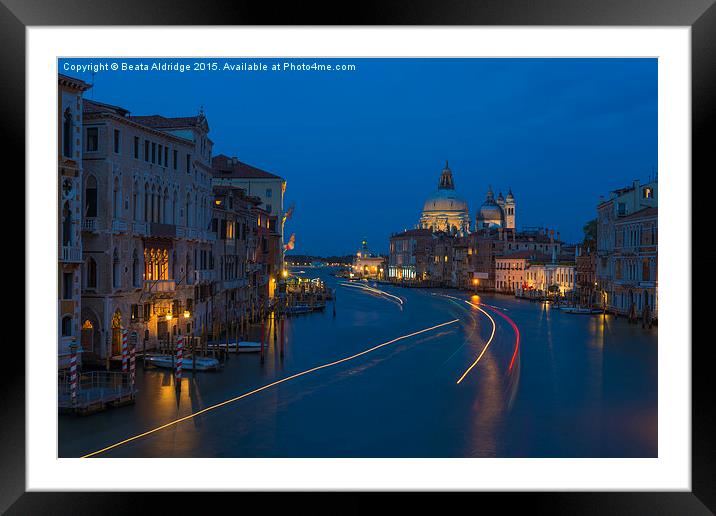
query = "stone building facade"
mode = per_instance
[
  {"x": 146, "y": 215},
  {"x": 621, "y": 203},
  {"x": 69, "y": 205}
]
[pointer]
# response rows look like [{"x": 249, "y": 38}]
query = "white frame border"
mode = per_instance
[{"x": 670, "y": 471}]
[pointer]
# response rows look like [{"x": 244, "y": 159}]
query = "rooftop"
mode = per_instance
[{"x": 224, "y": 166}]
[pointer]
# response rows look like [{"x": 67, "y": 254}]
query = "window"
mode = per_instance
[
  {"x": 136, "y": 147},
  {"x": 268, "y": 193},
  {"x": 66, "y": 225},
  {"x": 67, "y": 285},
  {"x": 67, "y": 134},
  {"x": 116, "y": 141},
  {"x": 146, "y": 150},
  {"x": 154, "y": 152},
  {"x": 188, "y": 163},
  {"x": 67, "y": 326},
  {"x": 115, "y": 269},
  {"x": 92, "y": 139},
  {"x": 166, "y": 156},
  {"x": 648, "y": 192},
  {"x": 134, "y": 312},
  {"x": 159, "y": 158},
  {"x": 91, "y": 273},
  {"x": 135, "y": 269},
  {"x": 268, "y": 208},
  {"x": 176, "y": 158}
]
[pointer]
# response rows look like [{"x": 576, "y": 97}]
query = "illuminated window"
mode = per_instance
[{"x": 648, "y": 192}]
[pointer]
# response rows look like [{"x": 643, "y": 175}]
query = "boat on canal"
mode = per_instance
[
  {"x": 301, "y": 308},
  {"x": 242, "y": 347},
  {"x": 189, "y": 362},
  {"x": 580, "y": 310}
]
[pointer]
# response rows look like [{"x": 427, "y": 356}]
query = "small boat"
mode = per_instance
[
  {"x": 243, "y": 346},
  {"x": 298, "y": 309},
  {"x": 189, "y": 363},
  {"x": 581, "y": 310},
  {"x": 249, "y": 347}
]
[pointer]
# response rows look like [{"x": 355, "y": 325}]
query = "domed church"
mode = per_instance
[
  {"x": 445, "y": 210},
  {"x": 498, "y": 213}
]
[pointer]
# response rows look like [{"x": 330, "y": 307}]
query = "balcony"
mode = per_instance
[
  {"x": 119, "y": 226},
  {"x": 162, "y": 230},
  {"x": 70, "y": 254},
  {"x": 234, "y": 283},
  {"x": 180, "y": 232},
  {"x": 90, "y": 225},
  {"x": 140, "y": 228},
  {"x": 204, "y": 276},
  {"x": 159, "y": 286}
]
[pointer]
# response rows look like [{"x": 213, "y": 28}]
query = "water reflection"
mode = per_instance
[{"x": 572, "y": 385}]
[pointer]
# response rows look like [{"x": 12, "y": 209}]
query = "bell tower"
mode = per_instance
[{"x": 509, "y": 210}]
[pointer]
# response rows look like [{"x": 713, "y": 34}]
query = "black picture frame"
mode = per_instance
[{"x": 699, "y": 15}]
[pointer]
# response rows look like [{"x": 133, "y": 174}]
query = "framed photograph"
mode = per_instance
[{"x": 439, "y": 249}]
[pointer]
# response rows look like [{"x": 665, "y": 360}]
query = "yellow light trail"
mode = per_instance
[
  {"x": 277, "y": 382},
  {"x": 374, "y": 290},
  {"x": 492, "y": 336}
]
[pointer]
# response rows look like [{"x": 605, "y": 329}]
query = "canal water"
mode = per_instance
[{"x": 570, "y": 386}]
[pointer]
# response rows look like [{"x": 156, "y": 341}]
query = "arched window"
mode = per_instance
[
  {"x": 147, "y": 203},
  {"x": 174, "y": 266},
  {"x": 115, "y": 269},
  {"x": 67, "y": 134},
  {"x": 174, "y": 208},
  {"x": 66, "y": 224},
  {"x": 187, "y": 270},
  {"x": 135, "y": 269},
  {"x": 165, "y": 207},
  {"x": 116, "y": 200},
  {"x": 155, "y": 204},
  {"x": 91, "y": 273},
  {"x": 91, "y": 197},
  {"x": 187, "y": 218},
  {"x": 67, "y": 326},
  {"x": 135, "y": 202}
]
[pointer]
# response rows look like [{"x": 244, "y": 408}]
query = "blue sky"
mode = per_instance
[{"x": 361, "y": 150}]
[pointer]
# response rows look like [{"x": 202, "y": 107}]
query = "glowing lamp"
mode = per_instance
[
  {"x": 187, "y": 314},
  {"x": 168, "y": 317}
]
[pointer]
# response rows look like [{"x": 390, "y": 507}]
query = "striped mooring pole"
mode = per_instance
[
  {"x": 132, "y": 366},
  {"x": 73, "y": 373},
  {"x": 180, "y": 358},
  {"x": 124, "y": 351}
]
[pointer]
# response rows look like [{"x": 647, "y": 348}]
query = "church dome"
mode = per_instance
[
  {"x": 490, "y": 211},
  {"x": 445, "y": 209},
  {"x": 445, "y": 200}
]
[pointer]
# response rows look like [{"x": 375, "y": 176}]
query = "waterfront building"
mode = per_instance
[
  {"x": 269, "y": 187},
  {"x": 621, "y": 203},
  {"x": 550, "y": 276},
  {"x": 411, "y": 253},
  {"x": 635, "y": 260},
  {"x": 226, "y": 289},
  {"x": 510, "y": 271},
  {"x": 366, "y": 264},
  {"x": 586, "y": 267},
  {"x": 146, "y": 214},
  {"x": 445, "y": 210},
  {"x": 268, "y": 259},
  {"x": 69, "y": 206}
]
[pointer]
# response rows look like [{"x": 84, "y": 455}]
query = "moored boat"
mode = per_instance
[
  {"x": 188, "y": 362},
  {"x": 581, "y": 310}
]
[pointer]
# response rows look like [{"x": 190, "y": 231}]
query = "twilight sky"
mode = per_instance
[{"x": 361, "y": 150}]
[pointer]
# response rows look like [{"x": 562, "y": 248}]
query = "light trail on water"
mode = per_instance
[
  {"x": 272, "y": 384},
  {"x": 374, "y": 291}
]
